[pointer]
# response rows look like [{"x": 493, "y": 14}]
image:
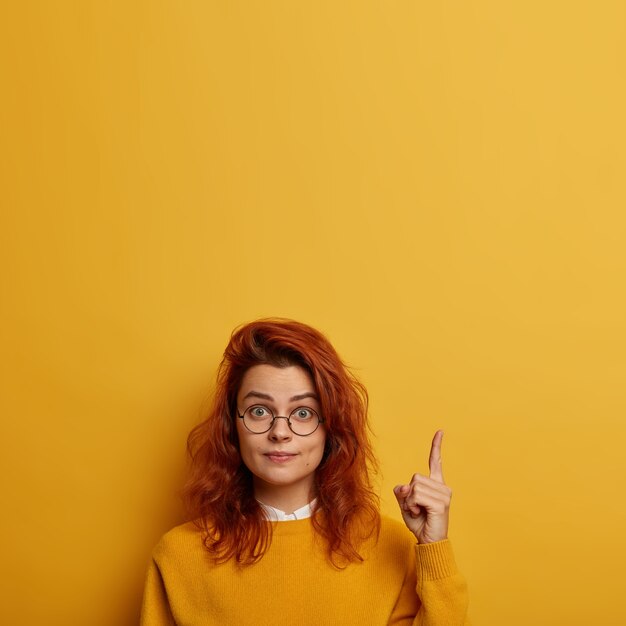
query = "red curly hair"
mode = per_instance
[{"x": 219, "y": 493}]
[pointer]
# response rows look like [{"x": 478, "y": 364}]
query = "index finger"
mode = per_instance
[{"x": 434, "y": 461}]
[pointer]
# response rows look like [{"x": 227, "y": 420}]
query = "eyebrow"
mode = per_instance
[{"x": 266, "y": 396}]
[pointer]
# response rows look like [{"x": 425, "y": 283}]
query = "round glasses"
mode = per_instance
[{"x": 258, "y": 419}]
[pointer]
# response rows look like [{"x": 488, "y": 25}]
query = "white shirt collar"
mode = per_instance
[{"x": 276, "y": 515}]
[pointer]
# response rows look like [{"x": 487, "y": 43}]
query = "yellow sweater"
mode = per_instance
[{"x": 399, "y": 582}]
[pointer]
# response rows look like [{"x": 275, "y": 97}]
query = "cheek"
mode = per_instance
[
  {"x": 245, "y": 445},
  {"x": 246, "y": 449},
  {"x": 316, "y": 454}
]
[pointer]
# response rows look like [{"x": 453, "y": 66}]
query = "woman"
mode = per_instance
[{"x": 286, "y": 527}]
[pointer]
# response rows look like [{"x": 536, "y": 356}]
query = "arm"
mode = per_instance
[
  {"x": 432, "y": 571},
  {"x": 155, "y": 609},
  {"x": 441, "y": 589}
]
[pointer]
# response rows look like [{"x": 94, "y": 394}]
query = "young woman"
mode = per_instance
[{"x": 285, "y": 526}]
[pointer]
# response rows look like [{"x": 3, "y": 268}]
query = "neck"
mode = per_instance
[{"x": 284, "y": 499}]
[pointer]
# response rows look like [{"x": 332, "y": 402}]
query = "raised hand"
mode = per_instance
[{"x": 425, "y": 501}]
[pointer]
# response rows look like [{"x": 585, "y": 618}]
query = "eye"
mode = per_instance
[
  {"x": 258, "y": 412},
  {"x": 303, "y": 414}
]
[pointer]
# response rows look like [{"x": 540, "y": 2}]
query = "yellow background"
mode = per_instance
[{"x": 438, "y": 186}]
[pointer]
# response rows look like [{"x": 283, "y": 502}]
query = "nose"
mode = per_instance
[{"x": 280, "y": 430}]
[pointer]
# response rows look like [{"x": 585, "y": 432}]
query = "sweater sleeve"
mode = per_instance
[
  {"x": 155, "y": 609},
  {"x": 441, "y": 589}
]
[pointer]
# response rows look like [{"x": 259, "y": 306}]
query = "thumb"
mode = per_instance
[{"x": 401, "y": 492}]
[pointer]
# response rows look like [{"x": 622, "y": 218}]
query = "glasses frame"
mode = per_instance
[{"x": 241, "y": 416}]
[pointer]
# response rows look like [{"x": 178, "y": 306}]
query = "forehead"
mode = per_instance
[{"x": 276, "y": 381}]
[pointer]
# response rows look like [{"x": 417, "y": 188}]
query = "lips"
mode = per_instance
[{"x": 280, "y": 457}]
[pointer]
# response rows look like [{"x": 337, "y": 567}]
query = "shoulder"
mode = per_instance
[
  {"x": 180, "y": 541},
  {"x": 394, "y": 530},
  {"x": 394, "y": 540}
]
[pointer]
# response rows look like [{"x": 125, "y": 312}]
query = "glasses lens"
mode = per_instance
[
  {"x": 304, "y": 421},
  {"x": 258, "y": 419}
]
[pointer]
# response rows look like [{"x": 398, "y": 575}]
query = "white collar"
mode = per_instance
[{"x": 276, "y": 515}]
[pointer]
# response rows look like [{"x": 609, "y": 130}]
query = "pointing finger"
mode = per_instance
[{"x": 434, "y": 462}]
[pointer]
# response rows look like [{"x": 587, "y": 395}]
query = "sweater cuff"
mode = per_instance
[{"x": 435, "y": 560}]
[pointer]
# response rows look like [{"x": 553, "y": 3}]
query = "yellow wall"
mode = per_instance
[{"x": 438, "y": 186}]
